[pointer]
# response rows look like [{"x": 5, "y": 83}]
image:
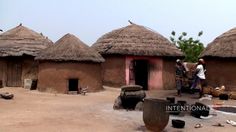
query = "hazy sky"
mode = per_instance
[{"x": 89, "y": 19}]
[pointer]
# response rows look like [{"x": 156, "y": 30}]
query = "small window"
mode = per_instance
[{"x": 73, "y": 84}]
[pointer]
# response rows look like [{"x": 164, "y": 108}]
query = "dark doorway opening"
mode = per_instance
[
  {"x": 141, "y": 73},
  {"x": 14, "y": 72},
  {"x": 73, "y": 84}
]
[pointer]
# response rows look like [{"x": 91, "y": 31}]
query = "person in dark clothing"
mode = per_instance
[{"x": 179, "y": 74}]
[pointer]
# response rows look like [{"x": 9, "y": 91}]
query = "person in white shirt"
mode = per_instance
[{"x": 199, "y": 76}]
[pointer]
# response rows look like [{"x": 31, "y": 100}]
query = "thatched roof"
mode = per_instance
[
  {"x": 22, "y": 41},
  {"x": 223, "y": 46},
  {"x": 136, "y": 40},
  {"x": 70, "y": 48}
]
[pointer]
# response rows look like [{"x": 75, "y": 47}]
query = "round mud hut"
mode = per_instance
[
  {"x": 137, "y": 55},
  {"x": 68, "y": 66},
  {"x": 18, "y": 47},
  {"x": 220, "y": 57}
]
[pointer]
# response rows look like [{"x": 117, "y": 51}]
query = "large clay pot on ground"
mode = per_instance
[
  {"x": 118, "y": 104},
  {"x": 130, "y": 96},
  {"x": 155, "y": 115}
]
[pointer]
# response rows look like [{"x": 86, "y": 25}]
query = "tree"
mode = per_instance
[{"x": 191, "y": 48}]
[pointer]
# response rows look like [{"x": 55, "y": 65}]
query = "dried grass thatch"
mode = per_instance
[
  {"x": 136, "y": 40},
  {"x": 223, "y": 46},
  {"x": 22, "y": 41},
  {"x": 70, "y": 48}
]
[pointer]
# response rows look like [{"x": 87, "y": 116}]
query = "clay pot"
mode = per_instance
[
  {"x": 182, "y": 102},
  {"x": 155, "y": 116},
  {"x": 200, "y": 110},
  {"x": 7, "y": 95},
  {"x": 171, "y": 99},
  {"x": 178, "y": 123},
  {"x": 224, "y": 96}
]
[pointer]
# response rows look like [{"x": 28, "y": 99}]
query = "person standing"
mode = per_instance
[
  {"x": 199, "y": 76},
  {"x": 179, "y": 74}
]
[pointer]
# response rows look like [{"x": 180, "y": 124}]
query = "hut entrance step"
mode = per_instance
[
  {"x": 141, "y": 73},
  {"x": 73, "y": 84}
]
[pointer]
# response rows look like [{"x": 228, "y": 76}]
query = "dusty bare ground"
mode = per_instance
[{"x": 35, "y": 111}]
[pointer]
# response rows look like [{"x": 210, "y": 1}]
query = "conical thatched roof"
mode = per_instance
[
  {"x": 22, "y": 41},
  {"x": 136, "y": 40},
  {"x": 223, "y": 46},
  {"x": 70, "y": 48}
]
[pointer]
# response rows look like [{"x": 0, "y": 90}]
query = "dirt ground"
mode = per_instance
[{"x": 35, "y": 111}]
